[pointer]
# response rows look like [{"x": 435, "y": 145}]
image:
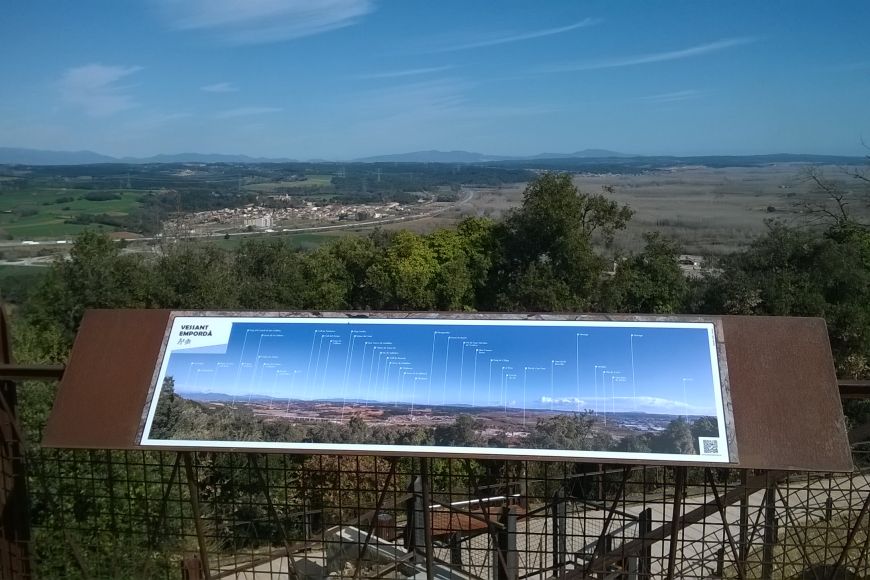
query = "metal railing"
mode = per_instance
[{"x": 135, "y": 514}]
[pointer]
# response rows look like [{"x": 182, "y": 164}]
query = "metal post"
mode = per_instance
[
  {"x": 770, "y": 531},
  {"x": 14, "y": 521},
  {"x": 644, "y": 527},
  {"x": 720, "y": 562},
  {"x": 191, "y": 567},
  {"x": 560, "y": 532},
  {"x": 193, "y": 488},
  {"x": 506, "y": 560},
  {"x": 306, "y": 520},
  {"x": 414, "y": 529},
  {"x": 455, "y": 544},
  {"x": 679, "y": 490},
  {"x": 606, "y": 547},
  {"x": 427, "y": 524},
  {"x": 743, "y": 544}
]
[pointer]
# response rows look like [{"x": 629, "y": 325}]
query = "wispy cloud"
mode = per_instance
[
  {"x": 506, "y": 38},
  {"x": 431, "y": 107},
  {"x": 220, "y": 88},
  {"x": 95, "y": 88},
  {"x": 671, "y": 97},
  {"x": 247, "y": 112},
  {"x": 628, "y": 404},
  {"x": 404, "y": 73},
  {"x": 651, "y": 57},
  {"x": 422, "y": 98},
  {"x": 263, "y": 21}
]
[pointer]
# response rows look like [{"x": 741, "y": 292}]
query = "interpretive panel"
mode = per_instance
[{"x": 554, "y": 389}]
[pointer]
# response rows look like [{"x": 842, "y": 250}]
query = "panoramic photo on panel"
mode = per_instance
[{"x": 557, "y": 389}]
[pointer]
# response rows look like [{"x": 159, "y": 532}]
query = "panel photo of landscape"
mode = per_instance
[{"x": 553, "y": 389}]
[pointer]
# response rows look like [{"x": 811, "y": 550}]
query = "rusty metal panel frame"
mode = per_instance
[
  {"x": 107, "y": 380},
  {"x": 794, "y": 345}
]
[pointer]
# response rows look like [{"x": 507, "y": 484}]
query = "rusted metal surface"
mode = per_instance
[
  {"x": 781, "y": 383},
  {"x": 784, "y": 392},
  {"x": 450, "y": 521},
  {"x": 105, "y": 386},
  {"x": 14, "y": 522}
]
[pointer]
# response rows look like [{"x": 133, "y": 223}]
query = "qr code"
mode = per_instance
[{"x": 709, "y": 445}]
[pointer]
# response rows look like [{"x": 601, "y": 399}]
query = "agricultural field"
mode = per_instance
[
  {"x": 47, "y": 213},
  {"x": 271, "y": 187},
  {"x": 712, "y": 211}
]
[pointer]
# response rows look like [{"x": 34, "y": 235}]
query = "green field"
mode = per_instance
[
  {"x": 272, "y": 186},
  {"x": 35, "y": 213}
]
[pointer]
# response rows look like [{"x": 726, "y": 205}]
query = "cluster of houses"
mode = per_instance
[{"x": 264, "y": 218}]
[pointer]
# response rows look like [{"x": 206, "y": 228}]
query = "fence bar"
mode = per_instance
[
  {"x": 506, "y": 562},
  {"x": 427, "y": 514},
  {"x": 560, "y": 532},
  {"x": 770, "y": 531},
  {"x": 14, "y": 519},
  {"x": 193, "y": 488},
  {"x": 679, "y": 491}
]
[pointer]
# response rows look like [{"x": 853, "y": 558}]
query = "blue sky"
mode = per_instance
[
  {"x": 339, "y": 79},
  {"x": 568, "y": 368}
]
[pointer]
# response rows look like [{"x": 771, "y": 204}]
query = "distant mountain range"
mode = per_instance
[
  {"x": 434, "y": 156},
  {"x": 19, "y": 156}
]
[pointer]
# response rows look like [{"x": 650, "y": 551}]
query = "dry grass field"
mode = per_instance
[{"x": 709, "y": 211}]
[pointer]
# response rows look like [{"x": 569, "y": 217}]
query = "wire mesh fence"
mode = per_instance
[{"x": 136, "y": 514}]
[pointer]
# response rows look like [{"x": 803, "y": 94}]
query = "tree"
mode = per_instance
[
  {"x": 167, "y": 413},
  {"x": 452, "y": 282},
  {"x": 650, "y": 282},
  {"x": 545, "y": 255},
  {"x": 635, "y": 443},
  {"x": 403, "y": 276},
  {"x": 564, "y": 431},
  {"x": 96, "y": 275},
  {"x": 354, "y": 256},
  {"x": 195, "y": 276},
  {"x": 464, "y": 432},
  {"x": 803, "y": 273},
  {"x": 676, "y": 438},
  {"x": 268, "y": 274},
  {"x": 704, "y": 427}
]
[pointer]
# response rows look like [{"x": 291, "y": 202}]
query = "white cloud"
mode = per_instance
[
  {"x": 404, "y": 73},
  {"x": 506, "y": 38},
  {"x": 628, "y": 404},
  {"x": 651, "y": 57},
  {"x": 247, "y": 112},
  {"x": 95, "y": 88},
  {"x": 220, "y": 88},
  {"x": 563, "y": 400},
  {"x": 263, "y": 21}
]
